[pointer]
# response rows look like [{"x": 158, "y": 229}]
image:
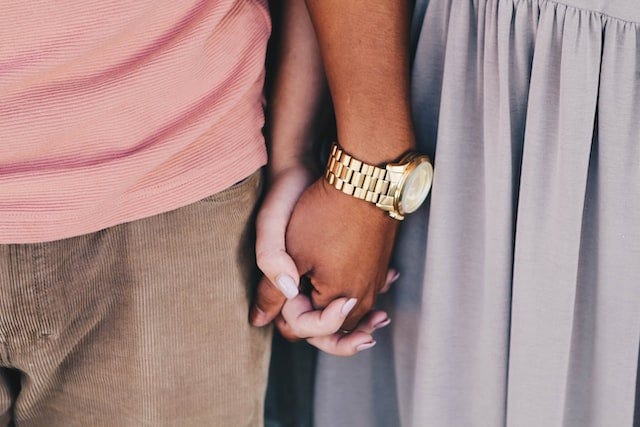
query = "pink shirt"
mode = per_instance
[{"x": 114, "y": 110}]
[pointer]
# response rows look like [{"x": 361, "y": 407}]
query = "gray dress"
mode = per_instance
[{"x": 519, "y": 300}]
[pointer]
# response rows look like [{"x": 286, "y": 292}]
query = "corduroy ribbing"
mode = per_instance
[{"x": 144, "y": 323}]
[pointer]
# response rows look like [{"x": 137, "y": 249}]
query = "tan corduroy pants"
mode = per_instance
[{"x": 144, "y": 323}]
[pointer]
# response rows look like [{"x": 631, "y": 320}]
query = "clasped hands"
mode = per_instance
[{"x": 342, "y": 245}]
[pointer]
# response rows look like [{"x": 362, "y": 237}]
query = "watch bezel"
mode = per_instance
[{"x": 410, "y": 163}]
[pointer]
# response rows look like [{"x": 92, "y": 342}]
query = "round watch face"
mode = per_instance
[{"x": 416, "y": 187}]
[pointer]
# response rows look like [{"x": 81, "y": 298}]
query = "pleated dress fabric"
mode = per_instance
[{"x": 519, "y": 297}]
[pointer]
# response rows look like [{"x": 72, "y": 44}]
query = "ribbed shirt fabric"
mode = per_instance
[{"x": 111, "y": 111}]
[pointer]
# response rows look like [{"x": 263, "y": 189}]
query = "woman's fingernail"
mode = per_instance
[
  {"x": 395, "y": 277},
  {"x": 348, "y": 306},
  {"x": 287, "y": 286},
  {"x": 365, "y": 346},
  {"x": 382, "y": 324}
]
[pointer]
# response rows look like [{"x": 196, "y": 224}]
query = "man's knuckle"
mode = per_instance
[
  {"x": 318, "y": 301},
  {"x": 351, "y": 323},
  {"x": 289, "y": 336},
  {"x": 263, "y": 307},
  {"x": 268, "y": 299}
]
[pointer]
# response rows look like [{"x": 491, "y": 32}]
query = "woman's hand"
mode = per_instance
[
  {"x": 281, "y": 278},
  {"x": 321, "y": 328},
  {"x": 298, "y": 319}
]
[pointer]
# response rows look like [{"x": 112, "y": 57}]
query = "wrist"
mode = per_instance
[
  {"x": 282, "y": 164},
  {"x": 350, "y": 207},
  {"x": 398, "y": 188},
  {"x": 377, "y": 147},
  {"x": 297, "y": 169}
]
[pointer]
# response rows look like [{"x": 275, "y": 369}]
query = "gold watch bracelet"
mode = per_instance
[{"x": 358, "y": 179}]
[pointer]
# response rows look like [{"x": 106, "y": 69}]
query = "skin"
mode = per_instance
[
  {"x": 328, "y": 230},
  {"x": 355, "y": 270},
  {"x": 293, "y": 116}
]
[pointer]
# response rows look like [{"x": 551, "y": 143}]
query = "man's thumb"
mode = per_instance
[{"x": 268, "y": 303}]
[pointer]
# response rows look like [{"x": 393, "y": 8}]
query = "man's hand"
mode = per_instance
[
  {"x": 342, "y": 244},
  {"x": 296, "y": 318}
]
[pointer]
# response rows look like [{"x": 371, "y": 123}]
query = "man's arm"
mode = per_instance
[
  {"x": 343, "y": 244},
  {"x": 294, "y": 103},
  {"x": 364, "y": 45}
]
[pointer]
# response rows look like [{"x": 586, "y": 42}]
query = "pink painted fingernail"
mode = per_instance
[
  {"x": 348, "y": 306},
  {"x": 382, "y": 324},
  {"x": 395, "y": 277},
  {"x": 287, "y": 286},
  {"x": 365, "y": 346}
]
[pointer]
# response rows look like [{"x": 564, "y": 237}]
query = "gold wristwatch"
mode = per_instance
[{"x": 398, "y": 188}]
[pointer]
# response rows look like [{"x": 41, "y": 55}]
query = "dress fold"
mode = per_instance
[{"x": 518, "y": 302}]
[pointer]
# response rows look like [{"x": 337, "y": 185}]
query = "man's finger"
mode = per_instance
[{"x": 268, "y": 303}]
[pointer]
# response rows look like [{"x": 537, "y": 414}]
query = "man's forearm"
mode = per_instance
[
  {"x": 364, "y": 47},
  {"x": 298, "y": 88}
]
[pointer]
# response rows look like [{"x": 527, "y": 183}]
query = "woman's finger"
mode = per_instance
[
  {"x": 340, "y": 344},
  {"x": 392, "y": 276},
  {"x": 305, "y": 322}
]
